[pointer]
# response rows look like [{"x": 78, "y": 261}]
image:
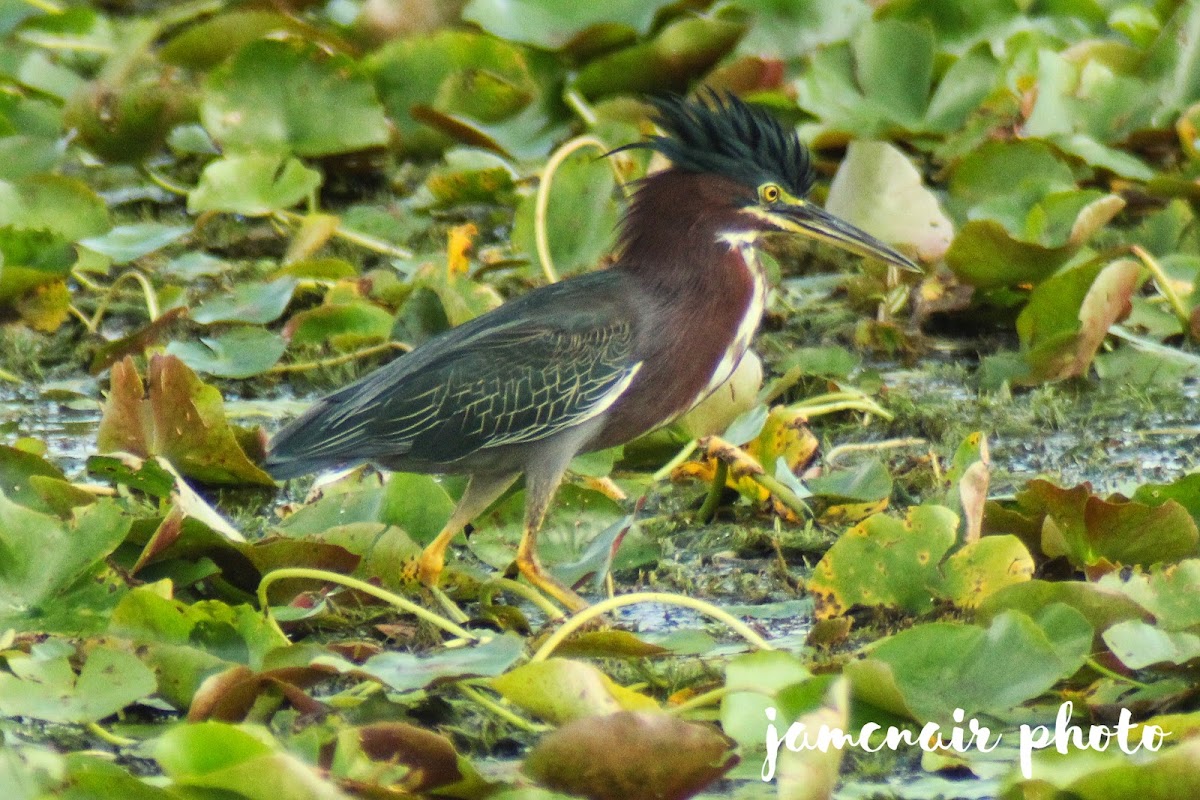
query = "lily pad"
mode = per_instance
[
  {"x": 291, "y": 97},
  {"x": 126, "y": 243},
  {"x": 237, "y": 353},
  {"x": 560, "y": 690},
  {"x": 256, "y": 303},
  {"x": 942, "y": 666},
  {"x": 181, "y": 419},
  {"x": 48, "y": 688},
  {"x": 631, "y": 754},
  {"x": 253, "y": 185}
]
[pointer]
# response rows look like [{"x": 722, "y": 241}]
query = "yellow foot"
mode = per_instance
[
  {"x": 549, "y": 585},
  {"x": 429, "y": 572}
]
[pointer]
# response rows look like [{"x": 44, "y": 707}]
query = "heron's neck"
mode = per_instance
[{"x": 678, "y": 234}]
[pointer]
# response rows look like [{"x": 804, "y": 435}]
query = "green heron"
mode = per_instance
[{"x": 598, "y": 359}]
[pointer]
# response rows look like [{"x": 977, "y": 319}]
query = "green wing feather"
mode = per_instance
[{"x": 520, "y": 374}]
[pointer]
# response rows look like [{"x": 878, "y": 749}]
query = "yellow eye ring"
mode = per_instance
[{"x": 770, "y": 193}]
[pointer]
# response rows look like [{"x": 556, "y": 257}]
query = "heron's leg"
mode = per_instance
[
  {"x": 481, "y": 492},
  {"x": 540, "y": 487}
]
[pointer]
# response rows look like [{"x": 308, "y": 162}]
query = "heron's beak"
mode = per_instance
[{"x": 814, "y": 222}]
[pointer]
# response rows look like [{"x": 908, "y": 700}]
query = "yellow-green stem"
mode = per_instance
[
  {"x": 344, "y": 358},
  {"x": 590, "y": 613},
  {"x": 402, "y": 603},
  {"x": 1164, "y": 286}
]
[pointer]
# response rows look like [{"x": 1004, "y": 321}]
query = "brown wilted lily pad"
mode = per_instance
[
  {"x": 652, "y": 756},
  {"x": 181, "y": 418}
]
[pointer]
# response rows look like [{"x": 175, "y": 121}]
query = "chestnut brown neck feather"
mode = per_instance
[
  {"x": 670, "y": 234},
  {"x": 701, "y": 285}
]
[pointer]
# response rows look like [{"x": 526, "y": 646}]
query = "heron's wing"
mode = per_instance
[{"x": 516, "y": 381}]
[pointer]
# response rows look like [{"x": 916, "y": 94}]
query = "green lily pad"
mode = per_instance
[
  {"x": 754, "y": 681},
  {"x": 255, "y": 303},
  {"x": 126, "y": 243},
  {"x": 1068, "y": 317},
  {"x": 684, "y": 49},
  {"x": 581, "y": 217},
  {"x": 253, "y": 185},
  {"x": 942, "y": 666},
  {"x": 410, "y": 72},
  {"x": 236, "y": 353},
  {"x": 31, "y": 259},
  {"x": 417, "y": 503},
  {"x": 1139, "y": 645},
  {"x": 291, "y": 97},
  {"x": 1171, "y": 593},
  {"x": 560, "y": 690},
  {"x": 1101, "y": 606},
  {"x": 64, "y": 206},
  {"x": 216, "y": 757},
  {"x": 343, "y": 326},
  {"x": 867, "y": 483},
  {"x": 48, "y": 688},
  {"x": 404, "y": 672},
  {"x": 885, "y": 561},
  {"x": 46, "y": 556},
  {"x": 554, "y": 26}
]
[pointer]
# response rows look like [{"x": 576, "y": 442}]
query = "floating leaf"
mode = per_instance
[
  {"x": 181, "y": 419},
  {"x": 343, "y": 326},
  {"x": 404, "y": 672},
  {"x": 236, "y": 353},
  {"x": 878, "y": 189},
  {"x": 45, "y": 556},
  {"x": 555, "y": 26},
  {"x": 631, "y": 754},
  {"x": 580, "y": 219},
  {"x": 257, "y": 303},
  {"x": 1139, "y": 645},
  {"x": 253, "y": 185},
  {"x": 48, "y": 689},
  {"x": 685, "y": 48},
  {"x": 560, "y": 690},
  {"x": 126, "y": 243},
  {"x": 409, "y": 72},
  {"x": 223, "y": 758},
  {"x": 942, "y": 666},
  {"x": 291, "y": 97}
]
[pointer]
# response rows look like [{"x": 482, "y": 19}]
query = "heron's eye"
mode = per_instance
[{"x": 769, "y": 193}]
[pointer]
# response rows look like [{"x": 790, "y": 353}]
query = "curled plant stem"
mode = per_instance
[
  {"x": 527, "y": 592},
  {"x": 163, "y": 182},
  {"x": 713, "y": 499},
  {"x": 108, "y": 736},
  {"x": 579, "y": 104},
  {"x": 872, "y": 447},
  {"x": 402, "y": 603},
  {"x": 106, "y": 299},
  {"x": 840, "y": 401},
  {"x": 590, "y": 613},
  {"x": 1164, "y": 286},
  {"x": 353, "y": 237},
  {"x": 542, "y": 201},
  {"x": 744, "y": 465},
  {"x": 1116, "y": 676},
  {"x": 344, "y": 358},
  {"x": 683, "y": 455},
  {"x": 499, "y": 710}
]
